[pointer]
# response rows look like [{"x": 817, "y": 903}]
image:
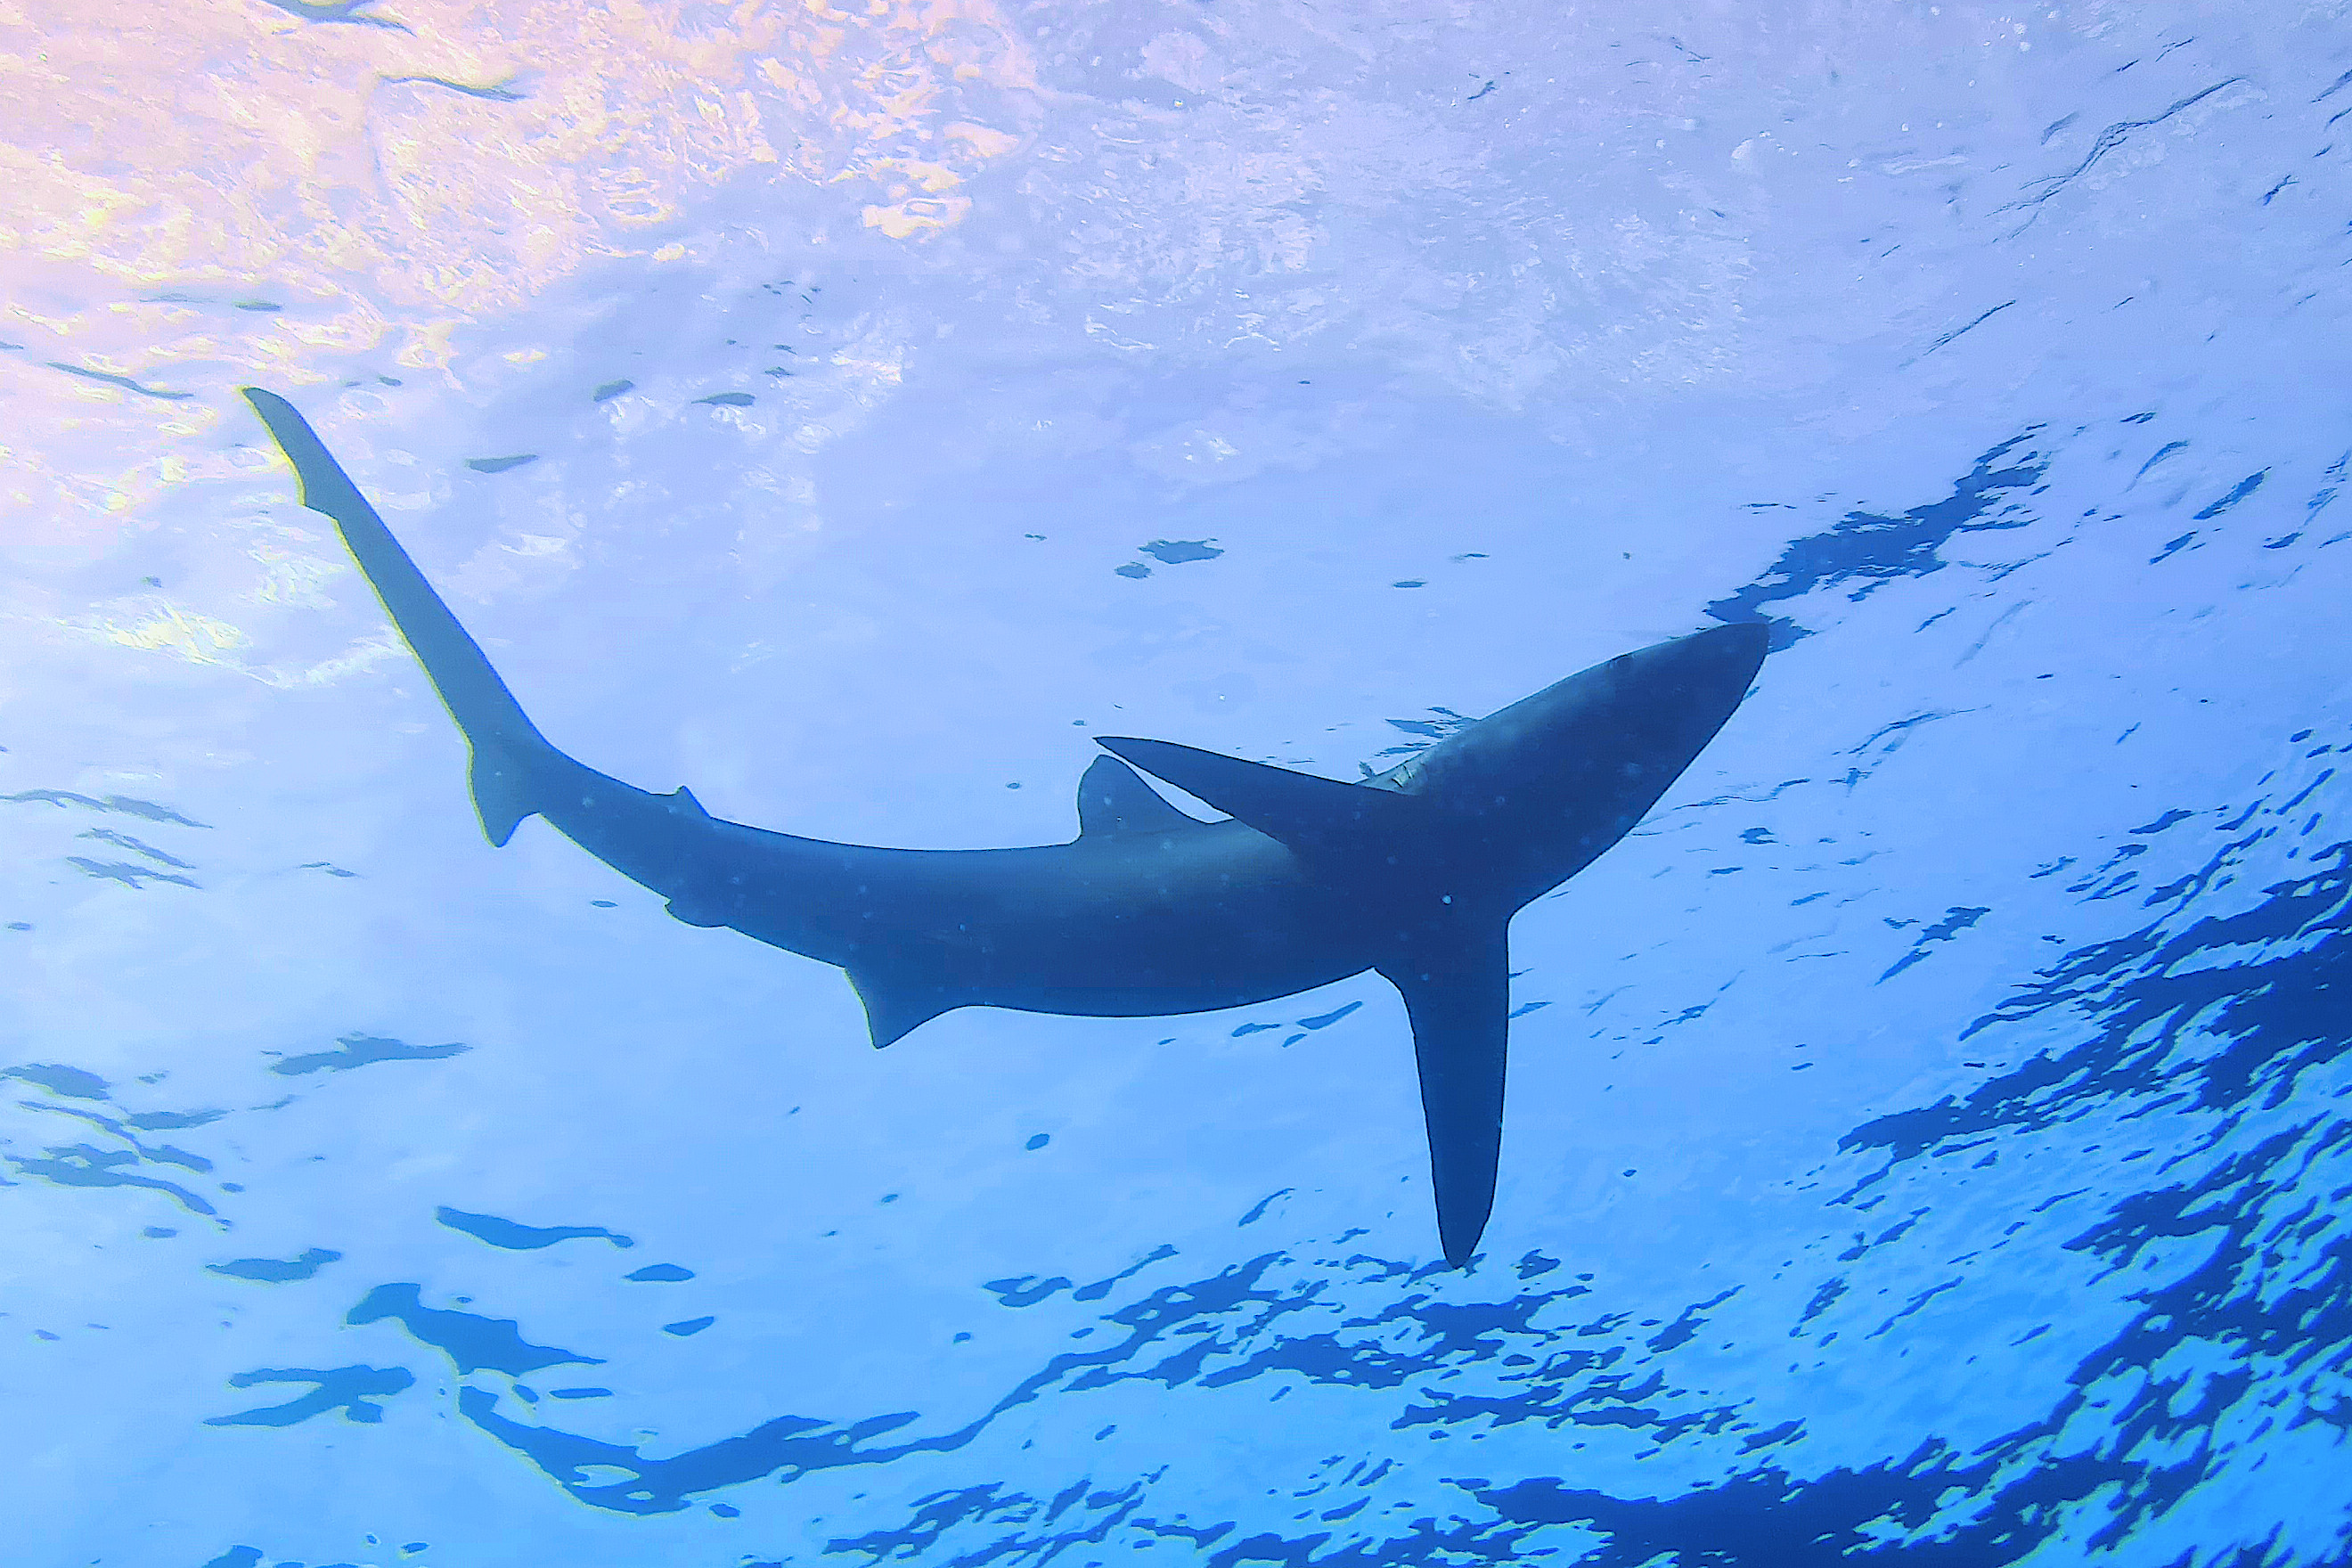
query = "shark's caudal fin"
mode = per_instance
[
  {"x": 1457, "y": 988},
  {"x": 509, "y": 753}
]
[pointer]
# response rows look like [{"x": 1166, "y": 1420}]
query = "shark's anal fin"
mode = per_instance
[
  {"x": 1313, "y": 816},
  {"x": 1113, "y": 798},
  {"x": 1457, "y": 988}
]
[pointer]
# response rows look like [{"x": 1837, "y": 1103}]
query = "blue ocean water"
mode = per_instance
[{"x": 1927, "y": 1138}]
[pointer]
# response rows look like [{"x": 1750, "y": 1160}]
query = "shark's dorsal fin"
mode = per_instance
[
  {"x": 1113, "y": 798},
  {"x": 1313, "y": 816}
]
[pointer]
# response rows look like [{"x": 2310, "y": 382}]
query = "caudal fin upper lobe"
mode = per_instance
[{"x": 511, "y": 761}]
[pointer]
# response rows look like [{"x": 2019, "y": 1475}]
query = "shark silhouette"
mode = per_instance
[{"x": 1415, "y": 873}]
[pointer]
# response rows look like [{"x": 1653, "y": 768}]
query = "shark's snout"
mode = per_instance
[
  {"x": 1751, "y": 639},
  {"x": 1695, "y": 682},
  {"x": 1719, "y": 657}
]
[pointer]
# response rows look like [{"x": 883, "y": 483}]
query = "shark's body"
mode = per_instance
[{"x": 1415, "y": 873}]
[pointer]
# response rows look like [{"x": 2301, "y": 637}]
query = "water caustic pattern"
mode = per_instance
[
  {"x": 2211, "y": 1012},
  {"x": 242, "y": 185},
  {"x": 1928, "y": 1133},
  {"x": 2227, "y": 1353}
]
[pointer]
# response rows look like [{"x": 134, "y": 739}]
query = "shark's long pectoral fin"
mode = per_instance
[
  {"x": 1457, "y": 986},
  {"x": 510, "y": 757},
  {"x": 1453, "y": 973},
  {"x": 1317, "y": 816}
]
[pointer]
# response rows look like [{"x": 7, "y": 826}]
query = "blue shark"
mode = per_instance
[{"x": 1413, "y": 873}]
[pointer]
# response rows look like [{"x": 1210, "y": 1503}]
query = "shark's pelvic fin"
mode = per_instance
[
  {"x": 688, "y": 911},
  {"x": 896, "y": 1003},
  {"x": 509, "y": 755},
  {"x": 1113, "y": 798},
  {"x": 1313, "y": 816},
  {"x": 1457, "y": 986}
]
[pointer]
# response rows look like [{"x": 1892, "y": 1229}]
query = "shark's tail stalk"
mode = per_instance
[{"x": 510, "y": 757}]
